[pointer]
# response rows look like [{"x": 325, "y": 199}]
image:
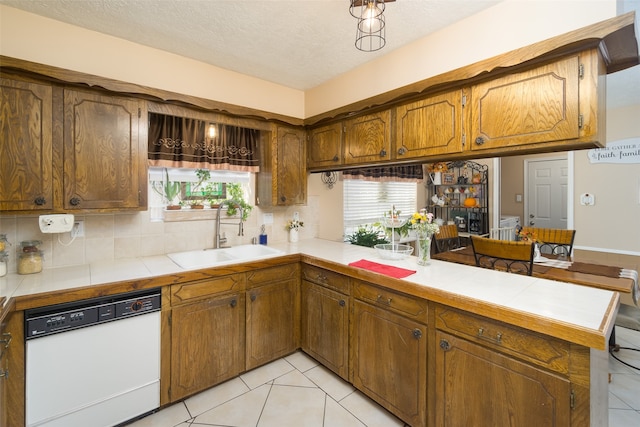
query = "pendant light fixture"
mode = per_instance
[{"x": 370, "y": 31}]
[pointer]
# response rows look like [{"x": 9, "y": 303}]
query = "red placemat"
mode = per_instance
[{"x": 387, "y": 270}]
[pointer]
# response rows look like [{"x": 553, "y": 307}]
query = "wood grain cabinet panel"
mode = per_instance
[
  {"x": 479, "y": 387},
  {"x": 282, "y": 180},
  {"x": 207, "y": 343},
  {"x": 367, "y": 138},
  {"x": 527, "y": 107},
  {"x": 325, "y": 326},
  {"x": 429, "y": 127},
  {"x": 104, "y": 152},
  {"x": 389, "y": 357},
  {"x": 324, "y": 147},
  {"x": 26, "y": 146},
  {"x": 273, "y": 313}
]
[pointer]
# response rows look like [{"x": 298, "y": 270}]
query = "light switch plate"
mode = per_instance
[{"x": 61, "y": 223}]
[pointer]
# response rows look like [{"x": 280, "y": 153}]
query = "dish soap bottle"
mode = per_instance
[{"x": 263, "y": 235}]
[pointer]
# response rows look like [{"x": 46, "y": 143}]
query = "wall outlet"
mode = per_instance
[
  {"x": 78, "y": 229},
  {"x": 267, "y": 218}
]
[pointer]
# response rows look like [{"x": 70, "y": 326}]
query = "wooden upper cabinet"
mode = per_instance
[
  {"x": 26, "y": 146},
  {"x": 431, "y": 126},
  {"x": 282, "y": 180},
  {"x": 324, "y": 146},
  {"x": 534, "y": 106},
  {"x": 367, "y": 138},
  {"x": 104, "y": 152}
]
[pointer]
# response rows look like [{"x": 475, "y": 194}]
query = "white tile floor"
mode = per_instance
[{"x": 265, "y": 397}]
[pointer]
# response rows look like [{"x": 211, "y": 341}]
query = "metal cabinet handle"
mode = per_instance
[
  {"x": 74, "y": 201},
  {"x": 6, "y": 340},
  {"x": 342, "y": 303},
  {"x": 480, "y": 140},
  {"x": 381, "y": 300},
  {"x": 40, "y": 201},
  {"x": 383, "y": 153},
  {"x": 335, "y": 158},
  {"x": 497, "y": 339},
  {"x": 444, "y": 344},
  {"x": 4, "y": 374},
  {"x": 283, "y": 199},
  {"x": 234, "y": 302},
  {"x": 417, "y": 334},
  {"x": 253, "y": 297},
  {"x": 402, "y": 151}
]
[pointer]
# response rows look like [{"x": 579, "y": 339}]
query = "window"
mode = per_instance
[
  {"x": 365, "y": 202},
  {"x": 190, "y": 189}
]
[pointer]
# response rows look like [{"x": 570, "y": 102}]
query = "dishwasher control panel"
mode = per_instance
[{"x": 44, "y": 321}]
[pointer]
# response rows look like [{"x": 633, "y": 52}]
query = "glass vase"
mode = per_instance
[{"x": 424, "y": 248}]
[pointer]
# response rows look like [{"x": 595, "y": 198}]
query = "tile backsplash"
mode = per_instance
[{"x": 130, "y": 235}]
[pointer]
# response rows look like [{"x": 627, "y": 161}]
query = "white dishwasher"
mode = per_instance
[{"x": 93, "y": 363}]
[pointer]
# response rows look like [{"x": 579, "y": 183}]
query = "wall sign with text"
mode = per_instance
[{"x": 623, "y": 151}]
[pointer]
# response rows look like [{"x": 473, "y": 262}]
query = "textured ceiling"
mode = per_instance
[{"x": 298, "y": 44}]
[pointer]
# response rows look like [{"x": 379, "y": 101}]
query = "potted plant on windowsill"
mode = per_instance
[{"x": 169, "y": 190}]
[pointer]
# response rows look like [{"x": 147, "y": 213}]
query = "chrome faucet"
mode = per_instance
[{"x": 217, "y": 239}]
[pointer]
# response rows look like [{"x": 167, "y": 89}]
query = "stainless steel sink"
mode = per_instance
[{"x": 212, "y": 257}]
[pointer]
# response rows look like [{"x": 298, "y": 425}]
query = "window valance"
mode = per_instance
[
  {"x": 180, "y": 142},
  {"x": 411, "y": 173}
]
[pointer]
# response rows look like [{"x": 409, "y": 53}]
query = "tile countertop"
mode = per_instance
[{"x": 579, "y": 314}]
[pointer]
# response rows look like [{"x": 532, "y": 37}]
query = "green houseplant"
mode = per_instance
[
  {"x": 366, "y": 236},
  {"x": 169, "y": 190},
  {"x": 235, "y": 197}
]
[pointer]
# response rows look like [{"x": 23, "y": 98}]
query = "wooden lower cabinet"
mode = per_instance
[
  {"x": 273, "y": 310},
  {"x": 207, "y": 343},
  {"x": 476, "y": 386},
  {"x": 12, "y": 372},
  {"x": 325, "y": 327},
  {"x": 389, "y": 356}
]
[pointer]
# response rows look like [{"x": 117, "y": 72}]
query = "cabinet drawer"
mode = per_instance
[
  {"x": 273, "y": 274},
  {"x": 530, "y": 346},
  {"x": 412, "y": 307},
  {"x": 204, "y": 288},
  {"x": 326, "y": 278}
]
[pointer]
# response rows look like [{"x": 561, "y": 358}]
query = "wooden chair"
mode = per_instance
[
  {"x": 514, "y": 257},
  {"x": 503, "y": 233},
  {"x": 447, "y": 238},
  {"x": 550, "y": 240}
]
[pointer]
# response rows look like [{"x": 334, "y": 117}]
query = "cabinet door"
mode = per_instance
[
  {"x": 430, "y": 126},
  {"x": 325, "y": 327},
  {"x": 282, "y": 180},
  {"x": 104, "y": 153},
  {"x": 368, "y": 138},
  {"x": 270, "y": 322},
  {"x": 390, "y": 361},
  {"x": 207, "y": 343},
  {"x": 325, "y": 146},
  {"x": 479, "y": 387},
  {"x": 538, "y": 105},
  {"x": 291, "y": 182},
  {"x": 26, "y": 146}
]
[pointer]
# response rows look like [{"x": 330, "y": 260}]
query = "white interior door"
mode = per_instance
[{"x": 546, "y": 199}]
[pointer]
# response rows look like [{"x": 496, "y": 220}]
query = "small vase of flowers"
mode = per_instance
[
  {"x": 425, "y": 228},
  {"x": 294, "y": 226}
]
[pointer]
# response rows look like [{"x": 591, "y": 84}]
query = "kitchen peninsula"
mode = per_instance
[{"x": 446, "y": 324}]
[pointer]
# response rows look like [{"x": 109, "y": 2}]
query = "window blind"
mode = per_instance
[{"x": 365, "y": 202}]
